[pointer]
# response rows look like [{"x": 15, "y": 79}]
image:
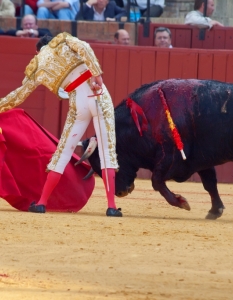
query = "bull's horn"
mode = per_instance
[
  {"x": 90, "y": 149},
  {"x": 89, "y": 174}
]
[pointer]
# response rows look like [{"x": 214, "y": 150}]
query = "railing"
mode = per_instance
[
  {"x": 125, "y": 69},
  {"x": 186, "y": 36}
]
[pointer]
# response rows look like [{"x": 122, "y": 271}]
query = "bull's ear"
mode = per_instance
[{"x": 90, "y": 149}]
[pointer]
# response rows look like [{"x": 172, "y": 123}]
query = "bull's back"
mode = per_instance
[{"x": 202, "y": 111}]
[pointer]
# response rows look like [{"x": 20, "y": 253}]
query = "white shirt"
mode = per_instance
[
  {"x": 98, "y": 16},
  {"x": 196, "y": 18}
]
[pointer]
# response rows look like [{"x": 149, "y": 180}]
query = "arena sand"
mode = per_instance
[{"x": 154, "y": 252}]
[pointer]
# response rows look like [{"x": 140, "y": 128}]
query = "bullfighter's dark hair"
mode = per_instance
[
  {"x": 198, "y": 4},
  {"x": 162, "y": 29},
  {"x": 43, "y": 41}
]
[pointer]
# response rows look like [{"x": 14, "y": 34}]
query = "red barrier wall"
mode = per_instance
[
  {"x": 186, "y": 36},
  {"x": 125, "y": 69}
]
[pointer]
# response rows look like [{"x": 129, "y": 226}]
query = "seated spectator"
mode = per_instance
[
  {"x": 29, "y": 28},
  {"x": 156, "y": 7},
  {"x": 61, "y": 10},
  {"x": 163, "y": 37},
  {"x": 7, "y": 8},
  {"x": 30, "y": 7},
  {"x": 196, "y": 17},
  {"x": 101, "y": 10},
  {"x": 121, "y": 37}
]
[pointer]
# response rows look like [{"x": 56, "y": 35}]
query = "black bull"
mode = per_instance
[{"x": 202, "y": 112}]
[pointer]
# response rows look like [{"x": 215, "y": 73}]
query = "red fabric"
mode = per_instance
[
  {"x": 136, "y": 109},
  {"x": 29, "y": 149},
  {"x": 81, "y": 79}
]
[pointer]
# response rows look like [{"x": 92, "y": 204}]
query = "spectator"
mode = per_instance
[
  {"x": 56, "y": 9},
  {"x": 163, "y": 37},
  {"x": 7, "y": 8},
  {"x": 101, "y": 10},
  {"x": 196, "y": 17},
  {"x": 121, "y": 37},
  {"x": 30, "y": 7},
  {"x": 156, "y": 7},
  {"x": 29, "y": 28}
]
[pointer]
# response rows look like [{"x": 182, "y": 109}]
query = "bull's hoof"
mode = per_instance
[
  {"x": 183, "y": 203},
  {"x": 113, "y": 212},
  {"x": 214, "y": 215}
]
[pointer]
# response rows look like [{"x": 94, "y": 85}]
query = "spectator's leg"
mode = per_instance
[
  {"x": 44, "y": 13},
  {"x": 65, "y": 14},
  {"x": 155, "y": 11},
  {"x": 28, "y": 10}
]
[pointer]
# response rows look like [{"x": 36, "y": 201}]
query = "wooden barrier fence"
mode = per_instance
[
  {"x": 186, "y": 36},
  {"x": 125, "y": 69}
]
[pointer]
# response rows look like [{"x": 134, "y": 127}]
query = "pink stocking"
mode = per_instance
[
  {"x": 50, "y": 184},
  {"x": 111, "y": 182}
]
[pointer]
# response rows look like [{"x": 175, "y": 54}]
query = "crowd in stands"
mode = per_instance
[
  {"x": 101, "y": 10},
  {"x": 97, "y": 10}
]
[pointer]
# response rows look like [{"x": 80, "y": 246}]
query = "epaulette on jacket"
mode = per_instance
[
  {"x": 31, "y": 68},
  {"x": 60, "y": 38}
]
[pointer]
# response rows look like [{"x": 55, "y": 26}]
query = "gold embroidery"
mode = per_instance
[
  {"x": 60, "y": 38},
  {"x": 18, "y": 96},
  {"x": 106, "y": 105},
  {"x": 84, "y": 50},
  {"x": 31, "y": 68},
  {"x": 71, "y": 117},
  {"x": 51, "y": 66}
]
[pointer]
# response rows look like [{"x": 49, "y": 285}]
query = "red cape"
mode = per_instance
[{"x": 25, "y": 150}]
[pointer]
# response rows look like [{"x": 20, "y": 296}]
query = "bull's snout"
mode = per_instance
[{"x": 126, "y": 192}]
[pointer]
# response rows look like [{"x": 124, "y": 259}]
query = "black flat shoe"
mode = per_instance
[
  {"x": 37, "y": 208},
  {"x": 113, "y": 212}
]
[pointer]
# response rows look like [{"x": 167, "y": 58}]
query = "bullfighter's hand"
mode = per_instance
[{"x": 96, "y": 82}]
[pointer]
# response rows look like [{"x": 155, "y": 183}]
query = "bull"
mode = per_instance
[{"x": 202, "y": 111}]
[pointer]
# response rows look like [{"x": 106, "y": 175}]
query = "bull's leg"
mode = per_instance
[
  {"x": 171, "y": 198},
  {"x": 209, "y": 181}
]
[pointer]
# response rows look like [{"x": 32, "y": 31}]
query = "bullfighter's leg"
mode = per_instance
[
  {"x": 104, "y": 124},
  {"x": 209, "y": 181},
  {"x": 171, "y": 198}
]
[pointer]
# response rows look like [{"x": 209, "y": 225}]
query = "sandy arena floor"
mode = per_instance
[{"x": 154, "y": 252}]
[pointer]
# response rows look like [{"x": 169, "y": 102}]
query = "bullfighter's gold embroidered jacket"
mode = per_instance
[{"x": 51, "y": 66}]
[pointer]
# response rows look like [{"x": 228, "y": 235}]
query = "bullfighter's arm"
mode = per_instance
[
  {"x": 18, "y": 96},
  {"x": 86, "y": 53}
]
